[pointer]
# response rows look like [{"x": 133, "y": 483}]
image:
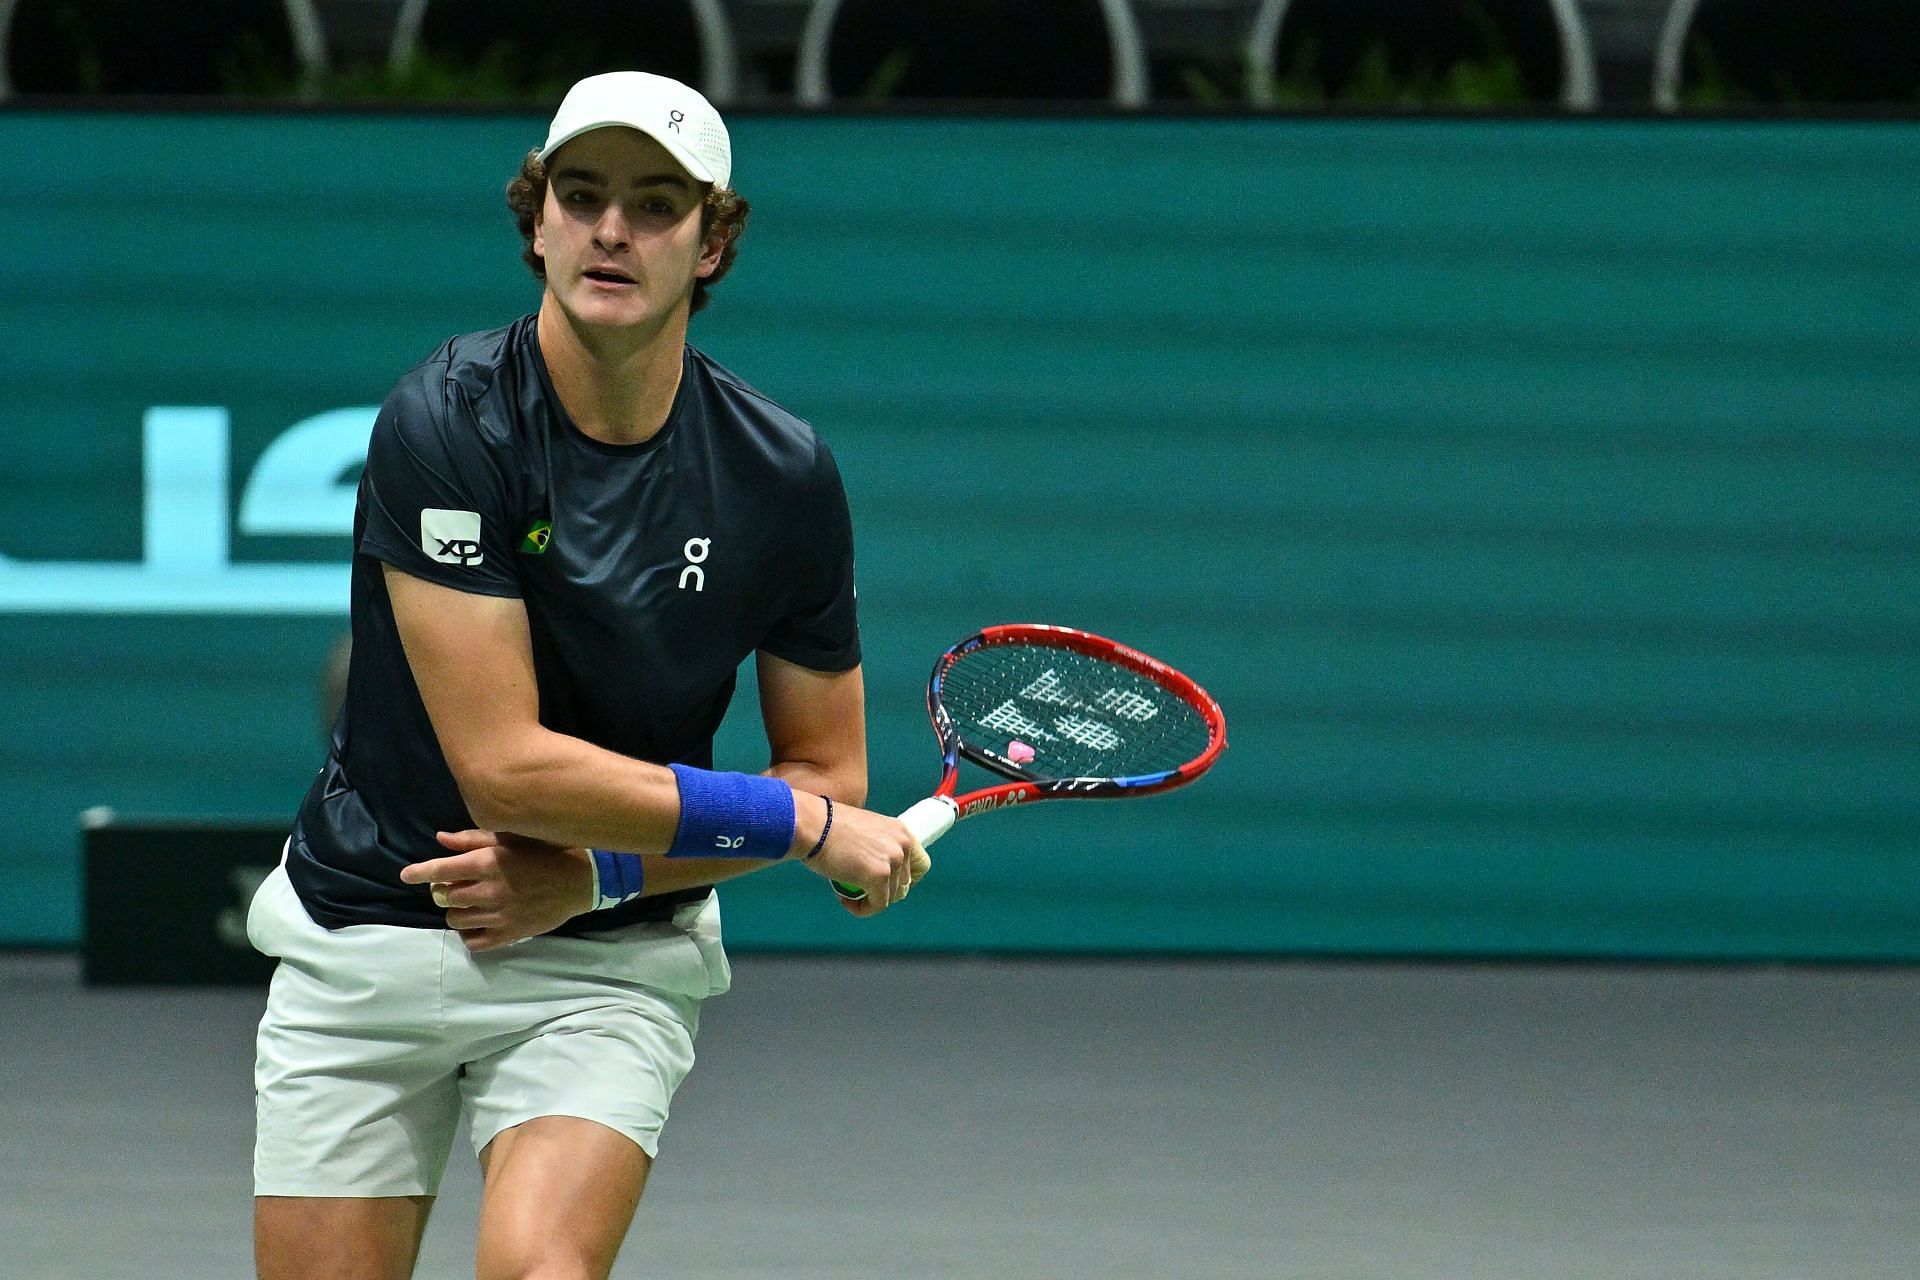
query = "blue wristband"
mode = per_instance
[
  {"x": 732, "y": 815},
  {"x": 617, "y": 878}
]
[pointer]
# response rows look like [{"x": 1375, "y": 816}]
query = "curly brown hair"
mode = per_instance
[{"x": 724, "y": 206}]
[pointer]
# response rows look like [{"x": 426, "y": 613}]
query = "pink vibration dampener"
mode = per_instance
[{"x": 1019, "y": 752}]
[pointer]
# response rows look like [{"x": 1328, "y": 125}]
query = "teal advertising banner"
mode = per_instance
[{"x": 1538, "y": 497}]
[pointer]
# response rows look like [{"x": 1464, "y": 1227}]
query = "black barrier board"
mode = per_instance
[{"x": 166, "y": 899}]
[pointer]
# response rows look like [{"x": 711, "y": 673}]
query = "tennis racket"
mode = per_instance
[{"x": 1059, "y": 714}]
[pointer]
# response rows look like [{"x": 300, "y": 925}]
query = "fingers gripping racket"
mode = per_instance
[{"x": 1059, "y": 714}]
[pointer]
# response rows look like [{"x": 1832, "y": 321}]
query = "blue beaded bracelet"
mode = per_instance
[
  {"x": 732, "y": 815},
  {"x": 617, "y": 878},
  {"x": 821, "y": 843}
]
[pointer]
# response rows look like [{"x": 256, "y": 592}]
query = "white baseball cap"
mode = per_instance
[{"x": 674, "y": 115}]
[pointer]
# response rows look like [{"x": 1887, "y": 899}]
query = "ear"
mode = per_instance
[
  {"x": 711, "y": 251},
  {"x": 539, "y": 227}
]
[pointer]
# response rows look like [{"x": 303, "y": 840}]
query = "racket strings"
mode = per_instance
[{"x": 1083, "y": 717}]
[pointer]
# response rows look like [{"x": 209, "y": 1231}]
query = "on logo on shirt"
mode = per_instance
[
  {"x": 451, "y": 537},
  {"x": 696, "y": 553}
]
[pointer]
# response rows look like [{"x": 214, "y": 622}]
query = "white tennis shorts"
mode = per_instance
[{"x": 378, "y": 1038}]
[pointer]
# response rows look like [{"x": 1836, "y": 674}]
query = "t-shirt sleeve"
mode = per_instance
[
  {"x": 819, "y": 628},
  {"x": 434, "y": 501}
]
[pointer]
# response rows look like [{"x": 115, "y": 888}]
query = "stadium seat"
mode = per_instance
[
  {"x": 1196, "y": 49},
  {"x": 537, "y": 55},
  {"x": 1333, "y": 43},
  {"x": 1014, "y": 50},
  {"x": 270, "y": 48},
  {"x": 1789, "y": 53}
]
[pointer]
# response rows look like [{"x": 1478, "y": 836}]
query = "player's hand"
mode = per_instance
[
  {"x": 501, "y": 888},
  {"x": 868, "y": 850}
]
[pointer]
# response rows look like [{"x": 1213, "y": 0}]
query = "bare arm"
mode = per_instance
[
  {"x": 816, "y": 724},
  {"x": 472, "y": 659}
]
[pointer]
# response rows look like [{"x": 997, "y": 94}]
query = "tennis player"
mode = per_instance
[{"x": 570, "y": 533}]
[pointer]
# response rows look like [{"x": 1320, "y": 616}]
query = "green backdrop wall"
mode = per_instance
[{"x": 1538, "y": 497}]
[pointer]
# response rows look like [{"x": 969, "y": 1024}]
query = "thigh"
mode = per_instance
[
  {"x": 356, "y": 1091},
  {"x": 570, "y": 1041},
  {"x": 308, "y": 1238},
  {"x": 619, "y": 1066},
  {"x": 559, "y": 1195}
]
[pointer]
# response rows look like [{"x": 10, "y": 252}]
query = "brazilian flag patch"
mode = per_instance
[{"x": 535, "y": 543}]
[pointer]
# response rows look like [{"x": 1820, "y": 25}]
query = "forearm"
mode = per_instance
[
  {"x": 846, "y": 783},
  {"x": 844, "y": 780},
  {"x": 566, "y": 791},
  {"x": 512, "y": 882},
  {"x": 809, "y": 780},
  {"x": 665, "y": 875}
]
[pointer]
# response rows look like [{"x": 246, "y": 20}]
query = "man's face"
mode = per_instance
[{"x": 620, "y": 230}]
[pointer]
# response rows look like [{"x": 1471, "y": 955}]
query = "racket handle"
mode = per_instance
[
  {"x": 926, "y": 821},
  {"x": 931, "y": 818}
]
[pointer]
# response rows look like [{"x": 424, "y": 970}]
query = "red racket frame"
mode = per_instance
[{"x": 1026, "y": 788}]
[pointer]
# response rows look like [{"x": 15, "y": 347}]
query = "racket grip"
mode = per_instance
[
  {"x": 926, "y": 821},
  {"x": 931, "y": 818}
]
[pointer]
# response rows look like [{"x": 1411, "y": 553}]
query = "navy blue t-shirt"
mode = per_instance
[{"x": 649, "y": 572}]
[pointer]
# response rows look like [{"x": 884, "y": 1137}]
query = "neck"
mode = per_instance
[{"x": 616, "y": 385}]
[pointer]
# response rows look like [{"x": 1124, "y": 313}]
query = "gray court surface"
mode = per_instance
[{"x": 1051, "y": 1119}]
